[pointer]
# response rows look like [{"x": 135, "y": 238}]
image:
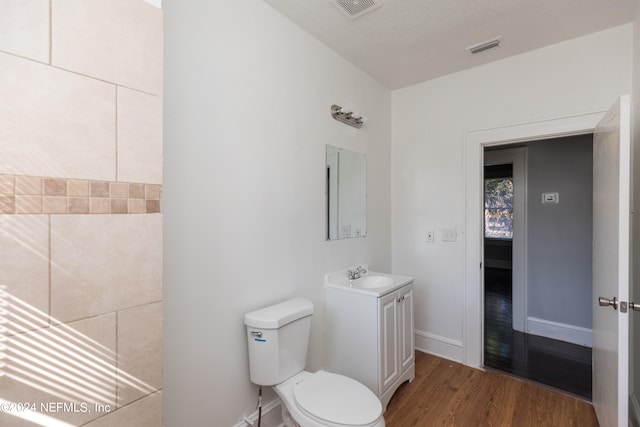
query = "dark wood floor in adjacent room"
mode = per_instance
[
  {"x": 558, "y": 364},
  {"x": 446, "y": 393}
]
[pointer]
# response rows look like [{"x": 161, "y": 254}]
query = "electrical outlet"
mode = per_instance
[{"x": 429, "y": 237}]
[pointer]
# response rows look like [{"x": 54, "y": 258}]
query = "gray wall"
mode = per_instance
[{"x": 559, "y": 236}]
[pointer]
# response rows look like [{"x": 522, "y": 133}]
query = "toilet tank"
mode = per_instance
[{"x": 278, "y": 338}]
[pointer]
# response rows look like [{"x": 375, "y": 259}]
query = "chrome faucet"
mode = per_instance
[{"x": 355, "y": 274}]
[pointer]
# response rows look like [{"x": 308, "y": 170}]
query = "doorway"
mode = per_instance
[
  {"x": 530, "y": 281},
  {"x": 610, "y": 389}
]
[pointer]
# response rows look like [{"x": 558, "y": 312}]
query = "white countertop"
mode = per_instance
[{"x": 339, "y": 280}]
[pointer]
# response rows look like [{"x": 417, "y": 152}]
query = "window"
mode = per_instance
[{"x": 498, "y": 208}]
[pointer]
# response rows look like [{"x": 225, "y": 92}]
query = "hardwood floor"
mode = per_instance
[
  {"x": 445, "y": 393},
  {"x": 558, "y": 364}
]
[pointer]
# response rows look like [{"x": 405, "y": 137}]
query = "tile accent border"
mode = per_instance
[{"x": 41, "y": 195}]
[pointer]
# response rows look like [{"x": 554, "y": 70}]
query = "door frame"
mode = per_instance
[{"x": 474, "y": 143}]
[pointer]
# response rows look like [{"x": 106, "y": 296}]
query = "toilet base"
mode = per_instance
[{"x": 287, "y": 419}]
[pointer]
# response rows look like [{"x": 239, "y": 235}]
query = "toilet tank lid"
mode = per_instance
[{"x": 278, "y": 315}]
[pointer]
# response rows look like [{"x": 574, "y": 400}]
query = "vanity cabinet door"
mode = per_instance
[
  {"x": 405, "y": 326},
  {"x": 388, "y": 330}
]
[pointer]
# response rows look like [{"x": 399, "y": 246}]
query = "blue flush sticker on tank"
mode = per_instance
[{"x": 258, "y": 336}]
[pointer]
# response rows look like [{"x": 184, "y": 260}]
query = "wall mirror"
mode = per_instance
[{"x": 346, "y": 193}]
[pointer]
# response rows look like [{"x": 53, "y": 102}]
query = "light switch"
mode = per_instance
[{"x": 449, "y": 235}]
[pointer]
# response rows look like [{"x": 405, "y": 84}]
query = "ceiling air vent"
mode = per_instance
[
  {"x": 354, "y": 9},
  {"x": 489, "y": 44}
]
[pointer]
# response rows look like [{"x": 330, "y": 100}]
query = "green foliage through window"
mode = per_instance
[{"x": 498, "y": 208}]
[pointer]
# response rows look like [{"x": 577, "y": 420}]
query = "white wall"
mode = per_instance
[
  {"x": 247, "y": 117},
  {"x": 429, "y": 121}
]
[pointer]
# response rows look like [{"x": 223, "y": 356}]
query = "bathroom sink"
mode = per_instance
[
  {"x": 370, "y": 282},
  {"x": 373, "y": 282}
]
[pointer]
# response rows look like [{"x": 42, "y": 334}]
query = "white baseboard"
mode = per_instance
[
  {"x": 560, "y": 331},
  {"x": 271, "y": 416},
  {"x": 634, "y": 410},
  {"x": 439, "y": 346}
]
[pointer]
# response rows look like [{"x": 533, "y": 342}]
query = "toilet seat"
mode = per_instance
[{"x": 335, "y": 399}]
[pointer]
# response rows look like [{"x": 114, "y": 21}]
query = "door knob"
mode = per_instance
[
  {"x": 606, "y": 302},
  {"x": 634, "y": 306}
]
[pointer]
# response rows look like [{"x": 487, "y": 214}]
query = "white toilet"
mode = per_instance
[{"x": 278, "y": 338}]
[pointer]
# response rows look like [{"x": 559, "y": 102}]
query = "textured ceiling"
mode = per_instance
[{"x": 408, "y": 41}]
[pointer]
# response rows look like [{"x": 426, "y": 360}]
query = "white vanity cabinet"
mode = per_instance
[{"x": 370, "y": 338}]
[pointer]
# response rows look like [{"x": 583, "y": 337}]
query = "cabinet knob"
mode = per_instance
[{"x": 399, "y": 299}]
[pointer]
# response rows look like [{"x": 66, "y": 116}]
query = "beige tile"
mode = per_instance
[
  {"x": 30, "y": 185},
  {"x": 145, "y": 412},
  {"x": 55, "y": 187},
  {"x": 103, "y": 263},
  {"x": 152, "y": 192},
  {"x": 101, "y": 329},
  {"x": 98, "y": 205},
  {"x": 136, "y": 191},
  {"x": 77, "y": 188},
  {"x": 78, "y": 205},
  {"x": 28, "y": 204},
  {"x": 7, "y": 184},
  {"x": 92, "y": 38},
  {"x": 139, "y": 137},
  {"x": 119, "y": 206},
  {"x": 137, "y": 206},
  {"x": 99, "y": 189},
  {"x": 24, "y": 28},
  {"x": 139, "y": 352},
  {"x": 81, "y": 369},
  {"x": 59, "y": 123},
  {"x": 152, "y": 206},
  {"x": 7, "y": 204},
  {"x": 54, "y": 205},
  {"x": 24, "y": 263},
  {"x": 119, "y": 190},
  {"x": 10, "y": 420}
]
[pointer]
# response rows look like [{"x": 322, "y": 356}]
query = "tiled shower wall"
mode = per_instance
[{"x": 80, "y": 213}]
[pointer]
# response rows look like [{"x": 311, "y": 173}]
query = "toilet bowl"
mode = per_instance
[
  {"x": 278, "y": 338},
  {"x": 323, "y": 399}
]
